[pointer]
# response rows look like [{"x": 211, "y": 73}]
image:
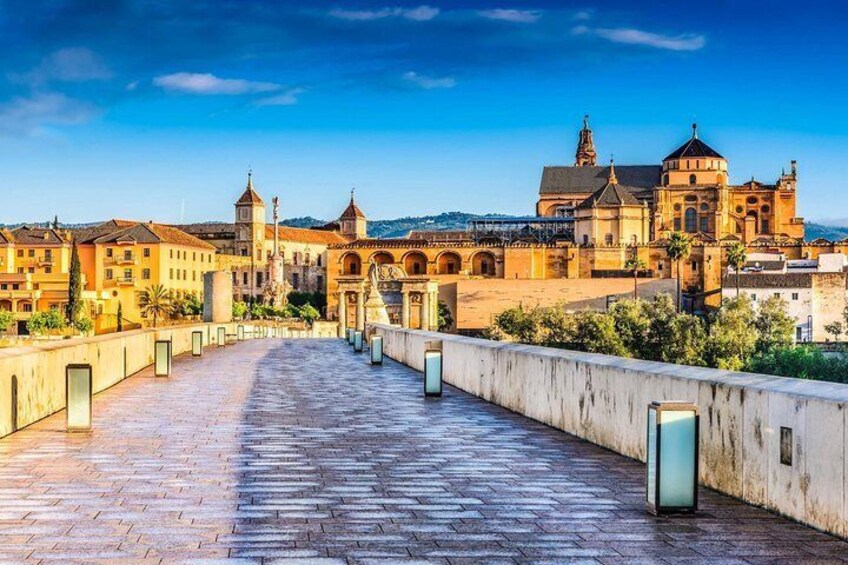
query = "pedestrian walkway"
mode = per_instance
[{"x": 299, "y": 451}]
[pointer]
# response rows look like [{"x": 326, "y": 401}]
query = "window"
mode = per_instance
[
  {"x": 660, "y": 266},
  {"x": 194, "y": 256},
  {"x": 794, "y": 296},
  {"x": 109, "y": 274},
  {"x": 585, "y": 239},
  {"x": 751, "y": 200},
  {"x": 235, "y": 278},
  {"x": 704, "y": 206},
  {"x": 48, "y": 270},
  {"x": 48, "y": 254},
  {"x": 318, "y": 260},
  {"x": 31, "y": 253},
  {"x": 194, "y": 275},
  {"x": 693, "y": 179},
  {"x": 145, "y": 274},
  {"x": 698, "y": 164},
  {"x": 146, "y": 252},
  {"x": 705, "y": 224},
  {"x": 676, "y": 224},
  {"x": 691, "y": 220},
  {"x": 665, "y": 179},
  {"x": 764, "y": 208},
  {"x": 27, "y": 307},
  {"x": 753, "y": 297},
  {"x": 243, "y": 213},
  {"x": 295, "y": 281},
  {"x": 20, "y": 270},
  {"x": 694, "y": 265},
  {"x": 171, "y": 253},
  {"x": 777, "y": 295},
  {"x": 171, "y": 273},
  {"x": 20, "y": 252},
  {"x": 30, "y": 269},
  {"x": 128, "y": 274},
  {"x": 185, "y": 275},
  {"x": 244, "y": 279},
  {"x": 259, "y": 279},
  {"x": 128, "y": 254},
  {"x": 319, "y": 281},
  {"x": 608, "y": 239},
  {"x": 765, "y": 225}
]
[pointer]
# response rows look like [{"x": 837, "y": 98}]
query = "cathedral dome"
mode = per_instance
[{"x": 694, "y": 149}]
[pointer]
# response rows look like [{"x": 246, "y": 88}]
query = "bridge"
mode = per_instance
[{"x": 300, "y": 451}]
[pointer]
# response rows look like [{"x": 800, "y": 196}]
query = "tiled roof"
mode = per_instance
[
  {"x": 694, "y": 148},
  {"x": 250, "y": 197},
  {"x": 576, "y": 180},
  {"x": 211, "y": 228},
  {"x": 788, "y": 280},
  {"x": 613, "y": 194},
  {"x": 115, "y": 231},
  {"x": 352, "y": 212},
  {"x": 26, "y": 235},
  {"x": 305, "y": 235},
  {"x": 440, "y": 235}
]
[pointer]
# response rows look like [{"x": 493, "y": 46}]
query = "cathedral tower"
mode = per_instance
[
  {"x": 586, "y": 156},
  {"x": 352, "y": 222},
  {"x": 250, "y": 222}
]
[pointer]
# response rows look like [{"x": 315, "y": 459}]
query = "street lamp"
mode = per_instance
[
  {"x": 433, "y": 372},
  {"x": 222, "y": 336},
  {"x": 162, "y": 358},
  {"x": 672, "y": 462},
  {"x": 78, "y": 392},
  {"x": 196, "y": 343},
  {"x": 376, "y": 345},
  {"x": 240, "y": 332},
  {"x": 357, "y": 341}
]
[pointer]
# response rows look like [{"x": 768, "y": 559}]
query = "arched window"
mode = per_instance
[
  {"x": 691, "y": 220},
  {"x": 483, "y": 264},
  {"x": 383, "y": 258},
  {"x": 449, "y": 263},
  {"x": 665, "y": 179},
  {"x": 351, "y": 264},
  {"x": 415, "y": 263},
  {"x": 692, "y": 179},
  {"x": 608, "y": 239}
]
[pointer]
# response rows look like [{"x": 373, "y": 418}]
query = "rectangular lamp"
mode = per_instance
[
  {"x": 162, "y": 358},
  {"x": 672, "y": 463},
  {"x": 357, "y": 341},
  {"x": 240, "y": 333},
  {"x": 222, "y": 336},
  {"x": 350, "y": 336},
  {"x": 376, "y": 349},
  {"x": 78, "y": 392},
  {"x": 196, "y": 343},
  {"x": 433, "y": 372}
]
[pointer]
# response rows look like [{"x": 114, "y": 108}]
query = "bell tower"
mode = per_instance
[
  {"x": 586, "y": 155},
  {"x": 250, "y": 222}
]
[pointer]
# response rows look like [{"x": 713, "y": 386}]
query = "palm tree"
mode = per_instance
[
  {"x": 155, "y": 301},
  {"x": 736, "y": 257},
  {"x": 634, "y": 264},
  {"x": 678, "y": 248}
]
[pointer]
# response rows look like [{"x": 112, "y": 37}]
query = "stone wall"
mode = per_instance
[
  {"x": 39, "y": 371},
  {"x": 604, "y": 399}
]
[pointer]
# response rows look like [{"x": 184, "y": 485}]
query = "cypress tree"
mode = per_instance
[
  {"x": 74, "y": 286},
  {"x": 120, "y": 317}
]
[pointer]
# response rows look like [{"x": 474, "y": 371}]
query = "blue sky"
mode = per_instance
[{"x": 156, "y": 109}]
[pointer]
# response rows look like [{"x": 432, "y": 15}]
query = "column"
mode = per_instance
[
  {"x": 434, "y": 311},
  {"x": 404, "y": 309},
  {"x": 425, "y": 311},
  {"x": 360, "y": 310},
  {"x": 342, "y": 314}
]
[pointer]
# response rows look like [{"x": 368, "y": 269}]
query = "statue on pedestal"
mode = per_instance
[{"x": 276, "y": 288}]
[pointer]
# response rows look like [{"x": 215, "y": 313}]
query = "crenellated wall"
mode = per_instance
[
  {"x": 604, "y": 399},
  {"x": 39, "y": 370}
]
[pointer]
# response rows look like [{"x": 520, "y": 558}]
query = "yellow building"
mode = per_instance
[{"x": 122, "y": 258}]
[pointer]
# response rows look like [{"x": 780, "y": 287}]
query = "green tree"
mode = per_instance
[
  {"x": 41, "y": 323},
  {"x": 120, "y": 317},
  {"x": 596, "y": 333},
  {"x": 733, "y": 335},
  {"x": 84, "y": 325},
  {"x": 445, "y": 317},
  {"x": 74, "y": 285},
  {"x": 802, "y": 362},
  {"x": 6, "y": 319},
  {"x": 155, "y": 301},
  {"x": 635, "y": 265},
  {"x": 737, "y": 254},
  {"x": 631, "y": 324},
  {"x": 660, "y": 311},
  {"x": 835, "y": 329},
  {"x": 519, "y": 324},
  {"x": 558, "y": 328},
  {"x": 308, "y": 313},
  {"x": 239, "y": 310},
  {"x": 678, "y": 248},
  {"x": 775, "y": 326},
  {"x": 686, "y": 345}
]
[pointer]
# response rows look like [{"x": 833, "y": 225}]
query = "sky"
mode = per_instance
[{"x": 157, "y": 109}]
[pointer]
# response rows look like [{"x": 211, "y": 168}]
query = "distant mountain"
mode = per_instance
[
  {"x": 833, "y": 233},
  {"x": 400, "y": 227}
]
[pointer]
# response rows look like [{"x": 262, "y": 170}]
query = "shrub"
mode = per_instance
[
  {"x": 84, "y": 325},
  {"x": 42, "y": 323},
  {"x": 6, "y": 319}
]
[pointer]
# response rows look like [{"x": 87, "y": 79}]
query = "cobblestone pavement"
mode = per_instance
[{"x": 301, "y": 452}]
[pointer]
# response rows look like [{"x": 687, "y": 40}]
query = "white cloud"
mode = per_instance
[
  {"x": 509, "y": 15},
  {"x": 687, "y": 42},
  {"x": 429, "y": 83},
  {"x": 72, "y": 64},
  {"x": 582, "y": 15},
  {"x": 31, "y": 114},
  {"x": 288, "y": 98},
  {"x": 421, "y": 13},
  {"x": 209, "y": 84}
]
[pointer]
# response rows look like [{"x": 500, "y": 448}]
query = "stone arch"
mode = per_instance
[
  {"x": 6, "y": 305},
  {"x": 382, "y": 258},
  {"x": 449, "y": 263},
  {"x": 415, "y": 263},
  {"x": 351, "y": 264},
  {"x": 483, "y": 264},
  {"x": 22, "y": 304}
]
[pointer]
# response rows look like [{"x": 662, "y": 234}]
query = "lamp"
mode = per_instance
[
  {"x": 162, "y": 358},
  {"x": 222, "y": 336},
  {"x": 357, "y": 342},
  {"x": 196, "y": 343},
  {"x": 240, "y": 333},
  {"x": 672, "y": 463},
  {"x": 350, "y": 336},
  {"x": 78, "y": 391},
  {"x": 433, "y": 372},
  {"x": 376, "y": 345}
]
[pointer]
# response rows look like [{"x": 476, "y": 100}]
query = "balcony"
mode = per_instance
[
  {"x": 46, "y": 261},
  {"x": 125, "y": 281},
  {"x": 131, "y": 259}
]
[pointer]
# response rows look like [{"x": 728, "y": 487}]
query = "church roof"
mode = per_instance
[
  {"x": 613, "y": 194},
  {"x": 117, "y": 231},
  {"x": 352, "y": 212},
  {"x": 250, "y": 196},
  {"x": 694, "y": 148},
  {"x": 305, "y": 235},
  {"x": 576, "y": 180}
]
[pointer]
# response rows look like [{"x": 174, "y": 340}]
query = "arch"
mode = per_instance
[
  {"x": 25, "y": 306},
  {"x": 6, "y": 305},
  {"x": 382, "y": 258},
  {"x": 351, "y": 264},
  {"x": 720, "y": 178},
  {"x": 415, "y": 263},
  {"x": 691, "y": 220},
  {"x": 693, "y": 179},
  {"x": 449, "y": 263},
  {"x": 665, "y": 179},
  {"x": 483, "y": 264}
]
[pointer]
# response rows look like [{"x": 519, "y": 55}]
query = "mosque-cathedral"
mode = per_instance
[{"x": 590, "y": 219}]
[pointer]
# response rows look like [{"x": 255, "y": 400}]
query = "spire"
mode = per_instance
[
  {"x": 612, "y": 179},
  {"x": 250, "y": 179},
  {"x": 585, "y": 156},
  {"x": 352, "y": 191},
  {"x": 694, "y": 131}
]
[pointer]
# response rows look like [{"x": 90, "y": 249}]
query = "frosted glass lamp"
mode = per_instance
[
  {"x": 78, "y": 391},
  {"x": 222, "y": 336},
  {"x": 240, "y": 333},
  {"x": 162, "y": 358},
  {"x": 672, "y": 463},
  {"x": 350, "y": 336},
  {"x": 196, "y": 343},
  {"x": 376, "y": 346},
  {"x": 433, "y": 372},
  {"x": 357, "y": 341}
]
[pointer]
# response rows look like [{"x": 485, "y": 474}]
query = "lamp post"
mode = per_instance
[
  {"x": 162, "y": 358},
  {"x": 672, "y": 463},
  {"x": 376, "y": 346},
  {"x": 78, "y": 392},
  {"x": 240, "y": 332},
  {"x": 357, "y": 341},
  {"x": 222, "y": 336},
  {"x": 350, "y": 332},
  {"x": 196, "y": 343},
  {"x": 433, "y": 372}
]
